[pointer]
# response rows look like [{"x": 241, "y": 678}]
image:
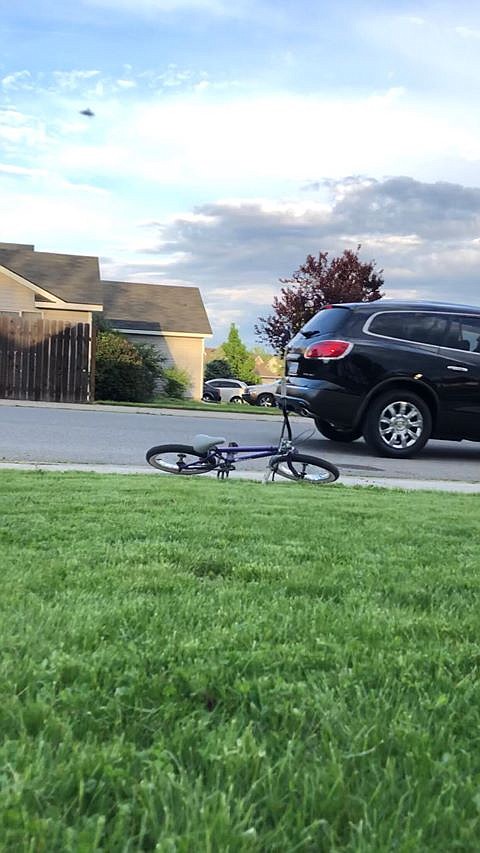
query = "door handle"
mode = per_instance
[{"x": 458, "y": 369}]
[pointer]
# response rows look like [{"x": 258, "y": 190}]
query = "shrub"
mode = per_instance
[
  {"x": 176, "y": 382},
  {"x": 124, "y": 371},
  {"x": 218, "y": 368}
]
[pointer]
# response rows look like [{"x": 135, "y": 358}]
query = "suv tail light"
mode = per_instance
[{"x": 328, "y": 349}]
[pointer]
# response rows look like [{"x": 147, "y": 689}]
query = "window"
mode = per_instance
[
  {"x": 326, "y": 322},
  {"x": 418, "y": 326},
  {"x": 463, "y": 333}
]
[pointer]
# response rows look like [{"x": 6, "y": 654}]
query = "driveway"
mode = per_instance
[{"x": 120, "y": 437}]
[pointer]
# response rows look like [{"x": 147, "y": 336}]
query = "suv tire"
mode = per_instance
[
  {"x": 334, "y": 434},
  {"x": 266, "y": 400},
  {"x": 398, "y": 423}
]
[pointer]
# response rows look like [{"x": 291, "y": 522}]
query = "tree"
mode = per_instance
[
  {"x": 316, "y": 283},
  {"x": 218, "y": 368},
  {"x": 240, "y": 360},
  {"x": 124, "y": 371}
]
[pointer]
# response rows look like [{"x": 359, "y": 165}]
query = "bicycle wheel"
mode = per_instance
[
  {"x": 179, "y": 459},
  {"x": 309, "y": 469}
]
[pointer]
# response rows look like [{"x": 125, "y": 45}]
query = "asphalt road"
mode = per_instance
[{"x": 52, "y": 434}]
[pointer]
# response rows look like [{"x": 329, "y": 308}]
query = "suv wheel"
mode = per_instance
[
  {"x": 335, "y": 434},
  {"x": 266, "y": 400},
  {"x": 397, "y": 423}
]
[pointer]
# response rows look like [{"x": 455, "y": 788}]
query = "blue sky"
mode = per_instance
[{"x": 233, "y": 137}]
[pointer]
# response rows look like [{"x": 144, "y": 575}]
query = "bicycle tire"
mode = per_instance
[
  {"x": 286, "y": 466},
  {"x": 154, "y": 459}
]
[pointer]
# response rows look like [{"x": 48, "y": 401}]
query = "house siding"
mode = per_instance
[
  {"x": 183, "y": 352},
  {"x": 15, "y": 296},
  {"x": 19, "y": 297}
]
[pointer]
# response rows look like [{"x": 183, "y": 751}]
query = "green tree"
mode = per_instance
[
  {"x": 218, "y": 368},
  {"x": 240, "y": 359}
]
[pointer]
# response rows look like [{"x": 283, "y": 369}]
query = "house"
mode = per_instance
[
  {"x": 171, "y": 318},
  {"x": 47, "y": 304}
]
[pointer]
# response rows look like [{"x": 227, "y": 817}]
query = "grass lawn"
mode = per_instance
[
  {"x": 206, "y": 666},
  {"x": 197, "y": 405}
]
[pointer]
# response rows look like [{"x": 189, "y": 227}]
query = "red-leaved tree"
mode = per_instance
[{"x": 316, "y": 283}]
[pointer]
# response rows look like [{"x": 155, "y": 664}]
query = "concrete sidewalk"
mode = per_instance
[{"x": 378, "y": 482}]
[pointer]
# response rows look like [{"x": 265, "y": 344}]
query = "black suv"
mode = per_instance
[{"x": 397, "y": 372}]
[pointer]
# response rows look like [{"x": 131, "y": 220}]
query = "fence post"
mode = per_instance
[{"x": 91, "y": 372}]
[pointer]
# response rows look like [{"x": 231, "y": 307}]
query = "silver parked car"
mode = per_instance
[
  {"x": 262, "y": 395},
  {"x": 231, "y": 390}
]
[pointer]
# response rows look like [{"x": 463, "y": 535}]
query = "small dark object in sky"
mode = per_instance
[{"x": 87, "y": 112}]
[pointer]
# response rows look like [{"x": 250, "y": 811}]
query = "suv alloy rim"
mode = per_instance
[{"x": 400, "y": 424}]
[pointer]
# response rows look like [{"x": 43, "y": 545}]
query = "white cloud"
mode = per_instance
[
  {"x": 18, "y": 79},
  {"x": 126, "y": 84},
  {"x": 71, "y": 80},
  {"x": 231, "y": 8},
  {"x": 10, "y": 169},
  {"x": 259, "y": 295},
  {"x": 468, "y": 32},
  {"x": 246, "y": 142}
]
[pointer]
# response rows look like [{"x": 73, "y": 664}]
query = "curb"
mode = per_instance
[{"x": 138, "y": 410}]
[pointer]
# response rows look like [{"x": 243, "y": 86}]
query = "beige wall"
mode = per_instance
[
  {"x": 14, "y": 296},
  {"x": 183, "y": 352},
  {"x": 73, "y": 316}
]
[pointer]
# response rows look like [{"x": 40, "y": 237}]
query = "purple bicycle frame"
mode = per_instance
[{"x": 230, "y": 453}]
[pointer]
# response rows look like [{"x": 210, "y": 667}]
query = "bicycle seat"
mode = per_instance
[{"x": 202, "y": 443}]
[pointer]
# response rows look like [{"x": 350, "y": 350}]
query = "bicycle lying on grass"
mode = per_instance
[{"x": 210, "y": 453}]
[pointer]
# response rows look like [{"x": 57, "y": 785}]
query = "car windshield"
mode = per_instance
[{"x": 326, "y": 322}]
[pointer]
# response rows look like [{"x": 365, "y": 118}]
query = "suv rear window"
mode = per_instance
[
  {"x": 422, "y": 327},
  {"x": 326, "y": 322}
]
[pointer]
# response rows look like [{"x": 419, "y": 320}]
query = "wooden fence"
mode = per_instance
[{"x": 44, "y": 360}]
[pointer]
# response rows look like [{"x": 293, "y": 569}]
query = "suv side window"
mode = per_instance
[
  {"x": 463, "y": 333},
  {"x": 421, "y": 327}
]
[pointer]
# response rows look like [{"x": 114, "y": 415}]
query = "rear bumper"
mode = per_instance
[
  {"x": 317, "y": 398},
  {"x": 294, "y": 404}
]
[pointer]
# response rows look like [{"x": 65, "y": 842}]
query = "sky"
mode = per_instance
[{"x": 232, "y": 138}]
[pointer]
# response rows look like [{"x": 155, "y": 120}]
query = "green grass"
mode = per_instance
[
  {"x": 170, "y": 403},
  {"x": 206, "y": 666}
]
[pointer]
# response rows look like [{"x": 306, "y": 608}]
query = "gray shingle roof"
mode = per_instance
[
  {"x": 128, "y": 305},
  {"x": 73, "y": 278},
  {"x": 155, "y": 307},
  {"x": 26, "y": 246}
]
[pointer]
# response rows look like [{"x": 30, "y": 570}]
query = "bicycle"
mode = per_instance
[{"x": 209, "y": 453}]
